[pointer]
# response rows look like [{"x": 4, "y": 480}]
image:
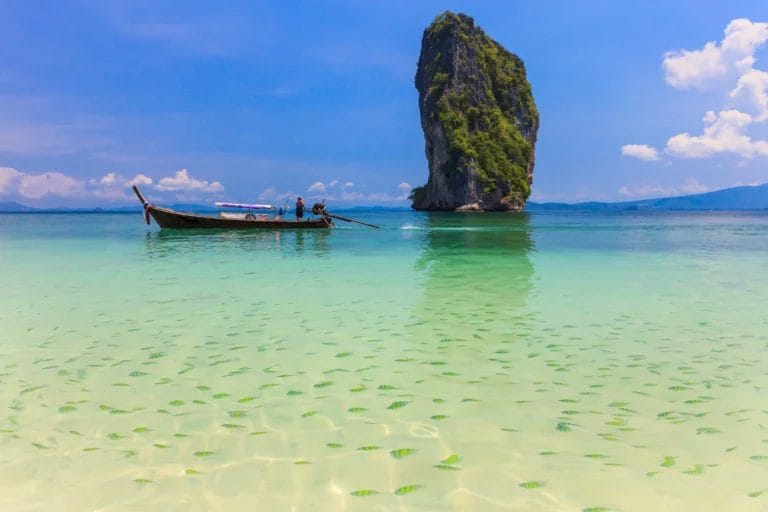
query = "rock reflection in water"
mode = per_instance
[{"x": 477, "y": 273}]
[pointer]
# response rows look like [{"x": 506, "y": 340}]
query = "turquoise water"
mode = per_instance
[{"x": 565, "y": 361}]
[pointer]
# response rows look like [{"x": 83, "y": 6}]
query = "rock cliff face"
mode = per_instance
[{"x": 479, "y": 120}]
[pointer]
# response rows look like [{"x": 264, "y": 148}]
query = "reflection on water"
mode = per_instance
[
  {"x": 478, "y": 271},
  {"x": 171, "y": 242}
]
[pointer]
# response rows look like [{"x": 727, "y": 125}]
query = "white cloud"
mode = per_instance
[
  {"x": 342, "y": 191},
  {"x": 316, "y": 187},
  {"x": 744, "y": 37},
  {"x": 139, "y": 179},
  {"x": 109, "y": 180},
  {"x": 405, "y": 190},
  {"x": 686, "y": 68},
  {"x": 319, "y": 187},
  {"x": 107, "y": 187},
  {"x": 8, "y": 176},
  {"x": 24, "y": 185},
  {"x": 730, "y": 65},
  {"x": 725, "y": 134},
  {"x": 49, "y": 183},
  {"x": 699, "y": 68},
  {"x": 753, "y": 85},
  {"x": 640, "y": 151},
  {"x": 112, "y": 186},
  {"x": 183, "y": 182}
]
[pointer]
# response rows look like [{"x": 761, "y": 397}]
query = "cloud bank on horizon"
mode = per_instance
[
  {"x": 116, "y": 188},
  {"x": 727, "y": 66},
  {"x": 111, "y": 187}
]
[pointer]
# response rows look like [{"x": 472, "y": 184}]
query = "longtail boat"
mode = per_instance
[{"x": 171, "y": 219}]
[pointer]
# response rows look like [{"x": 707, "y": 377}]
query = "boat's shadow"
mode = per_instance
[{"x": 170, "y": 242}]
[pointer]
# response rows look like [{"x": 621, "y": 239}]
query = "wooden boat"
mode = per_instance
[{"x": 171, "y": 219}]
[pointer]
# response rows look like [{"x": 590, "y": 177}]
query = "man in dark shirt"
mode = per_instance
[{"x": 299, "y": 209}]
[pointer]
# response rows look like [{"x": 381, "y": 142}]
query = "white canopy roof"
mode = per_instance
[{"x": 248, "y": 206}]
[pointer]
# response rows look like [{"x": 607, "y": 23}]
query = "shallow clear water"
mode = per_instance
[{"x": 450, "y": 362}]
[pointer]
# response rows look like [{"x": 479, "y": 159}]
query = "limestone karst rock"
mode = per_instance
[{"x": 479, "y": 120}]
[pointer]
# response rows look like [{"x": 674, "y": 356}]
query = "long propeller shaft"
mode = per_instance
[{"x": 347, "y": 219}]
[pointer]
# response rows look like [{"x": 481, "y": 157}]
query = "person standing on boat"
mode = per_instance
[{"x": 299, "y": 209}]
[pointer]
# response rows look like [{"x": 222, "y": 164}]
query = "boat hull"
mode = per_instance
[{"x": 171, "y": 219}]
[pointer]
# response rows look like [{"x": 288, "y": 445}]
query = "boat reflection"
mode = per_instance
[{"x": 169, "y": 243}]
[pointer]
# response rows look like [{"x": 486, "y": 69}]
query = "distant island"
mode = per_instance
[
  {"x": 735, "y": 198},
  {"x": 479, "y": 120},
  {"x": 12, "y": 206}
]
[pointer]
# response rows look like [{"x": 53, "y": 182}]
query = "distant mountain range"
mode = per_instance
[
  {"x": 736, "y": 198},
  {"x": 11, "y": 206}
]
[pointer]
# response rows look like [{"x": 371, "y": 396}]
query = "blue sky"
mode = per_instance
[{"x": 250, "y": 100}]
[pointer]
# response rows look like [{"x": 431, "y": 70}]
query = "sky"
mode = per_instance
[{"x": 266, "y": 100}]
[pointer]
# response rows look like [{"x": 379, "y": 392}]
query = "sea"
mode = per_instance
[{"x": 553, "y": 361}]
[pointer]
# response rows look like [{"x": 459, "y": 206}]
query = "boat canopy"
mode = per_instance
[{"x": 247, "y": 206}]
